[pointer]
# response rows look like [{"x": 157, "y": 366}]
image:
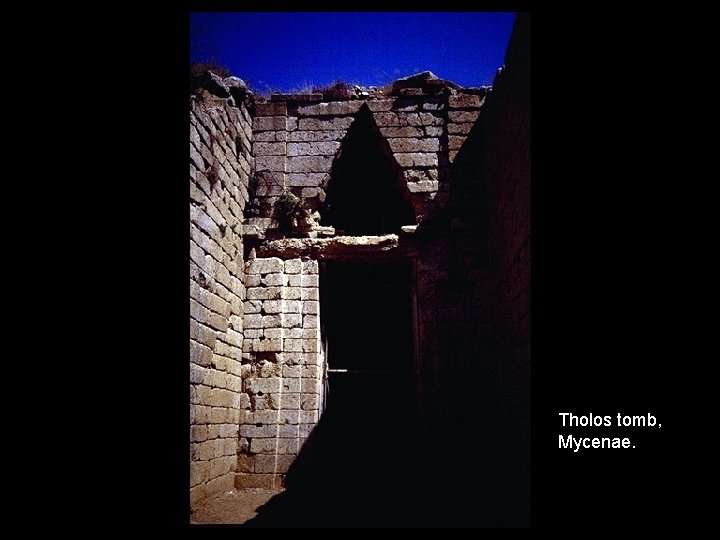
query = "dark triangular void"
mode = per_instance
[{"x": 366, "y": 194}]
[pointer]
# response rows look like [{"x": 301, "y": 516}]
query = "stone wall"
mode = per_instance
[
  {"x": 220, "y": 168},
  {"x": 298, "y": 138},
  {"x": 507, "y": 175},
  {"x": 281, "y": 350},
  {"x": 257, "y": 352}
]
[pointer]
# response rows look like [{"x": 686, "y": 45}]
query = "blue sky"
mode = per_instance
[{"x": 283, "y": 51}]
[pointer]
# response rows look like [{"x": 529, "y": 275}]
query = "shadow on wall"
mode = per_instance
[{"x": 367, "y": 466}]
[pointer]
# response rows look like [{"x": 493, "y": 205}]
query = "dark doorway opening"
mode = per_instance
[
  {"x": 370, "y": 396},
  {"x": 367, "y": 193}
]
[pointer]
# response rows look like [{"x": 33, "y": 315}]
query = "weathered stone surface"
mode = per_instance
[
  {"x": 315, "y": 124},
  {"x": 297, "y": 97},
  {"x": 455, "y": 142},
  {"x": 419, "y": 175},
  {"x": 433, "y": 105},
  {"x": 417, "y": 160},
  {"x": 321, "y": 248},
  {"x": 252, "y": 306},
  {"x": 407, "y": 131},
  {"x": 333, "y": 108},
  {"x": 430, "y": 119},
  {"x": 263, "y": 293},
  {"x": 307, "y": 179},
  {"x": 424, "y": 186},
  {"x": 291, "y": 320},
  {"x": 326, "y": 148},
  {"x": 270, "y": 163},
  {"x": 316, "y": 164},
  {"x": 293, "y": 266},
  {"x": 273, "y": 464},
  {"x": 391, "y": 119},
  {"x": 313, "y": 136},
  {"x": 466, "y": 101},
  {"x": 309, "y": 402},
  {"x": 460, "y": 128},
  {"x": 215, "y": 84},
  {"x": 308, "y": 293},
  {"x": 200, "y": 354},
  {"x": 292, "y": 293},
  {"x": 311, "y": 321},
  {"x": 414, "y": 145},
  {"x": 273, "y": 306},
  {"x": 267, "y": 345},
  {"x": 310, "y": 266},
  {"x": 275, "y": 280},
  {"x": 309, "y": 281},
  {"x": 266, "y": 386},
  {"x": 271, "y": 109},
  {"x": 380, "y": 105},
  {"x": 253, "y": 320},
  {"x": 463, "y": 116},
  {"x": 271, "y": 136},
  {"x": 272, "y": 321},
  {"x": 269, "y": 149},
  {"x": 269, "y": 123},
  {"x": 271, "y": 265}
]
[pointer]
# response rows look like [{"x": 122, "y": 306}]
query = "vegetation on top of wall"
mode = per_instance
[
  {"x": 286, "y": 206},
  {"x": 337, "y": 91}
]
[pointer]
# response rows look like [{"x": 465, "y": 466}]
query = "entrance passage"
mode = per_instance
[{"x": 367, "y": 322}]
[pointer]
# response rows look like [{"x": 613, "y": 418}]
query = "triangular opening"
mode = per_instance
[{"x": 366, "y": 194}]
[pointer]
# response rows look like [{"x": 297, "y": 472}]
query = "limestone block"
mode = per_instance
[
  {"x": 333, "y": 108},
  {"x": 252, "y": 320},
  {"x": 270, "y": 163},
  {"x": 275, "y": 280},
  {"x": 254, "y": 386},
  {"x": 265, "y": 266},
  {"x": 316, "y": 164},
  {"x": 268, "y": 149},
  {"x": 252, "y": 431},
  {"x": 272, "y": 321},
  {"x": 273, "y": 333},
  {"x": 463, "y": 116},
  {"x": 309, "y": 402},
  {"x": 417, "y": 160},
  {"x": 269, "y": 123},
  {"x": 252, "y": 306},
  {"x": 380, "y": 105},
  {"x": 466, "y": 101},
  {"x": 292, "y": 293},
  {"x": 271, "y": 109},
  {"x": 407, "y": 131},
  {"x": 311, "y": 321},
  {"x": 293, "y": 266},
  {"x": 309, "y": 293},
  {"x": 312, "y": 136},
  {"x": 414, "y": 145},
  {"x": 291, "y": 320},
  {"x": 263, "y": 293},
  {"x": 307, "y": 179},
  {"x": 326, "y": 148},
  {"x": 334, "y": 124}
]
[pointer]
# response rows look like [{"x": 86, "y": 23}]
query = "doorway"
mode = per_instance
[{"x": 370, "y": 385}]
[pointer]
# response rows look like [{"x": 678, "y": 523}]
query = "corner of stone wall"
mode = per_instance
[
  {"x": 282, "y": 352},
  {"x": 220, "y": 167}
]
